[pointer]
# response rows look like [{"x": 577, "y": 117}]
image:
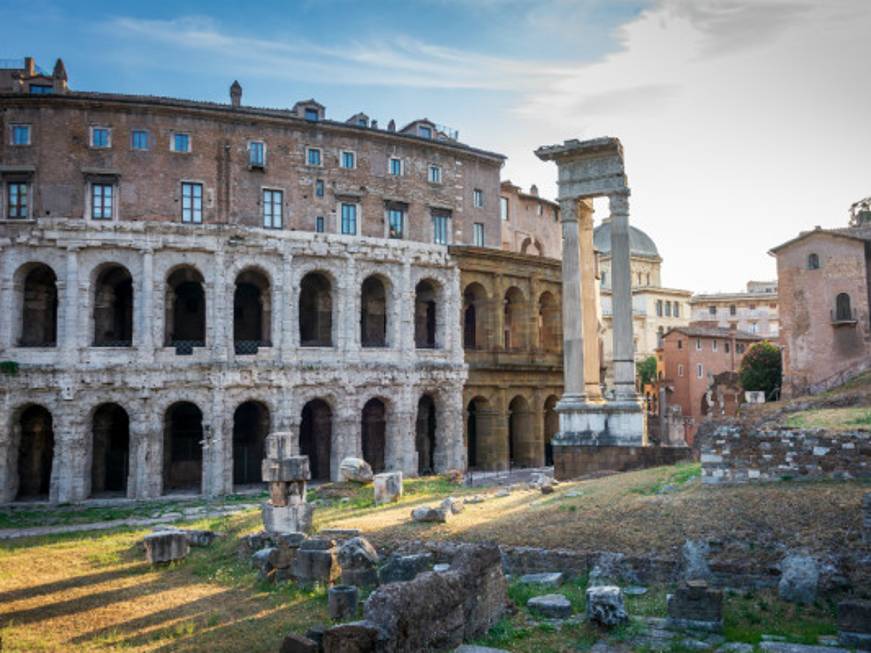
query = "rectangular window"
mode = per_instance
[
  {"x": 700, "y": 372},
  {"x": 667, "y": 309},
  {"x": 17, "y": 196},
  {"x": 101, "y": 137},
  {"x": 192, "y": 203},
  {"x": 348, "y": 160},
  {"x": 435, "y": 174},
  {"x": 726, "y": 347},
  {"x": 313, "y": 156},
  {"x": 320, "y": 227},
  {"x": 739, "y": 348},
  {"x": 478, "y": 198},
  {"x": 733, "y": 309},
  {"x": 101, "y": 201},
  {"x": 272, "y": 208},
  {"x": 676, "y": 309},
  {"x": 257, "y": 154},
  {"x": 712, "y": 310},
  {"x": 319, "y": 188},
  {"x": 349, "y": 219},
  {"x": 21, "y": 134},
  {"x": 139, "y": 139},
  {"x": 41, "y": 89},
  {"x": 538, "y": 209},
  {"x": 714, "y": 345},
  {"x": 426, "y": 132},
  {"x": 503, "y": 208},
  {"x": 659, "y": 308},
  {"x": 698, "y": 344},
  {"x": 680, "y": 370},
  {"x": 440, "y": 222},
  {"x": 394, "y": 166},
  {"x": 312, "y": 115},
  {"x": 680, "y": 344},
  {"x": 395, "y": 223},
  {"x": 181, "y": 143},
  {"x": 478, "y": 234}
]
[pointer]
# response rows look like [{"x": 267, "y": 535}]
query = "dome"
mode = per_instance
[{"x": 640, "y": 244}]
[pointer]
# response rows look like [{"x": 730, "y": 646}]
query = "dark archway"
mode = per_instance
[
  {"x": 549, "y": 317},
  {"x": 183, "y": 448},
  {"x": 250, "y": 428},
  {"x": 113, "y": 307},
  {"x": 519, "y": 432},
  {"x": 551, "y": 427},
  {"x": 39, "y": 310},
  {"x": 474, "y": 317},
  {"x": 425, "y": 436},
  {"x": 514, "y": 322},
  {"x": 315, "y": 437},
  {"x": 425, "y": 315},
  {"x": 315, "y": 311},
  {"x": 479, "y": 424},
  {"x": 252, "y": 312},
  {"x": 185, "y": 309},
  {"x": 110, "y": 456},
  {"x": 373, "y": 313},
  {"x": 373, "y": 433},
  {"x": 35, "y": 453}
]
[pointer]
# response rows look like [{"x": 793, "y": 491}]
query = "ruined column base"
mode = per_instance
[{"x": 287, "y": 519}]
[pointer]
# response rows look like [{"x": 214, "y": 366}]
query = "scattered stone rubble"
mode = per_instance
[
  {"x": 854, "y": 623},
  {"x": 342, "y": 602},
  {"x": 553, "y": 606},
  {"x": 696, "y": 606},
  {"x": 358, "y": 560},
  {"x": 605, "y": 605},
  {"x": 799, "y": 577},
  {"x": 166, "y": 546},
  {"x": 285, "y": 475},
  {"x": 356, "y": 470},
  {"x": 388, "y": 487}
]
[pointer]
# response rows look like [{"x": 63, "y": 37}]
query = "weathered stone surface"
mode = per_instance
[
  {"x": 735, "y": 647},
  {"x": 294, "y": 643},
  {"x": 695, "y": 601},
  {"x": 355, "y": 469},
  {"x": 166, "y": 546},
  {"x": 287, "y": 519},
  {"x": 472, "y": 648},
  {"x": 546, "y": 579},
  {"x": 359, "y": 562},
  {"x": 194, "y": 537},
  {"x": 798, "y": 579},
  {"x": 452, "y": 505},
  {"x": 426, "y": 514},
  {"x": 611, "y": 569},
  {"x": 785, "y": 647},
  {"x": 866, "y": 518},
  {"x": 355, "y": 637},
  {"x": 315, "y": 565},
  {"x": 295, "y": 468},
  {"x": 387, "y": 487},
  {"x": 342, "y": 602},
  {"x": 605, "y": 605},
  {"x": 316, "y": 634},
  {"x": 280, "y": 444},
  {"x": 339, "y": 535},
  {"x": 554, "y": 606},
  {"x": 405, "y": 568},
  {"x": 546, "y": 489},
  {"x": 694, "y": 560},
  {"x": 854, "y": 615},
  {"x": 634, "y": 590}
]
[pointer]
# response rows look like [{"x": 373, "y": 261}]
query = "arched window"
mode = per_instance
[
  {"x": 110, "y": 455},
  {"x": 185, "y": 310},
  {"x": 315, "y": 311},
  {"x": 113, "y": 308},
  {"x": 515, "y": 319},
  {"x": 425, "y": 315},
  {"x": 252, "y": 312},
  {"x": 813, "y": 261},
  {"x": 373, "y": 433},
  {"x": 373, "y": 313},
  {"x": 843, "y": 311},
  {"x": 39, "y": 310},
  {"x": 35, "y": 438}
]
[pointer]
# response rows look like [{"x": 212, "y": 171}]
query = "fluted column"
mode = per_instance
[
  {"x": 621, "y": 300},
  {"x": 573, "y": 338}
]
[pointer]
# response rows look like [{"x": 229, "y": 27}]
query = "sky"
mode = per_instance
[{"x": 743, "y": 122}]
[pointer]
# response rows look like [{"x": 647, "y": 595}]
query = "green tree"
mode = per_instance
[
  {"x": 647, "y": 370},
  {"x": 762, "y": 369}
]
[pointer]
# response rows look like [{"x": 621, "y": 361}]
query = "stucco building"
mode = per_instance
[
  {"x": 755, "y": 310},
  {"x": 530, "y": 223}
]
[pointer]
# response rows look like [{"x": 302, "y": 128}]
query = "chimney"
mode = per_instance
[
  {"x": 29, "y": 67},
  {"x": 59, "y": 76},
  {"x": 391, "y": 126},
  {"x": 374, "y": 124},
  {"x": 533, "y": 190},
  {"x": 236, "y": 94}
]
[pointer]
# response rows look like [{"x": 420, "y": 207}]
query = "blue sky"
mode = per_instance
[{"x": 743, "y": 121}]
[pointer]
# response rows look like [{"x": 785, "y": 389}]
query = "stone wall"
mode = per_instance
[
  {"x": 732, "y": 452},
  {"x": 574, "y": 461}
]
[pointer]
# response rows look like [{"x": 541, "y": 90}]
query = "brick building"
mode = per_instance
[{"x": 530, "y": 223}]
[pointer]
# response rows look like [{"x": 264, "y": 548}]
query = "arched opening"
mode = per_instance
[
  {"x": 39, "y": 310},
  {"x": 252, "y": 312},
  {"x": 551, "y": 426},
  {"x": 813, "y": 262},
  {"x": 250, "y": 428},
  {"x": 479, "y": 422},
  {"x": 110, "y": 456},
  {"x": 113, "y": 308},
  {"x": 425, "y": 315},
  {"x": 474, "y": 317},
  {"x": 520, "y": 433},
  {"x": 549, "y": 323},
  {"x": 843, "y": 310},
  {"x": 315, "y": 437},
  {"x": 373, "y": 433},
  {"x": 425, "y": 437},
  {"x": 315, "y": 311},
  {"x": 35, "y": 453},
  {"x": 514, "y": 307},
  {"x": 373, "y": 313},
  {"x": 183, "y": 448},
  {"x": 185, "y": 310}
]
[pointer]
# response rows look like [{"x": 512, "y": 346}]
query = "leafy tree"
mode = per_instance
[
  {"x": 762, "y": 369},
  {"x": 647, "y": 370}
]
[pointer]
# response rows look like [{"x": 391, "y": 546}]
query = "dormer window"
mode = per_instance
[
  {"x": 424, "y": 131},
  {"x": 361, "y": 122},
  {"x": 311, "y": 114}
]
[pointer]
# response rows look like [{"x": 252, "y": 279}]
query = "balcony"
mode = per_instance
[{"x": 844, "y": 317}]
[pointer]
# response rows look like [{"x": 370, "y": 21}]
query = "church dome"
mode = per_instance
[{"x": 640, "y": 244}]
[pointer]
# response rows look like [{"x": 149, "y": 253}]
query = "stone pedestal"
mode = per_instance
[{"x": 286, "y": 476}]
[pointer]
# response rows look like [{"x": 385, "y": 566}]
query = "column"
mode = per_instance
[
  {"x": 588, "y": 300},
  {"x": 621, "y": 300},
  {"x": 69, "y": 296},
  {"x": 573, "y": 339},
  {"x": 287, "y": 301},
  {"x": 146, "y": 308}
]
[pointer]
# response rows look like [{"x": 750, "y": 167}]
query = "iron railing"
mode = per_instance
[{"x": 186, "y": 347}]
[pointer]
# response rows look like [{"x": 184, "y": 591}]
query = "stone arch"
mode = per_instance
[
  {"x": 110, "y": 450},
  {"x": 551, "y": 427},
  {"x": 514, "y": 336},
  {"x": 480, "y": 429},
  {"x": 251, "y": 425},
  {"x": 520, "y": 433},
  {"x": 316, "y": 310},
  {"x": 373, "y": 433},
  {"x": 185, "y": 308},
  {"x": 315, "y": 437},
  {"x": 549, "y": 323},
  {"x": 39, "y": 306},
  {"x": 532, "y": 244},
  {"x": 374, "y": 292},
  {"x": 427, "y": 298},
  {"x": 113, "y": 306},
  {"x": 475, "y": 316},
  {"x": 33, "y": 441},
  {"x": 183, "y": 447},
  {"x": 252, "y": 311},
  {"x": 425, "y": 434}
]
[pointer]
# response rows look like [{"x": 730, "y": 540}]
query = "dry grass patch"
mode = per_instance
[{"x": 832, "y": 419}]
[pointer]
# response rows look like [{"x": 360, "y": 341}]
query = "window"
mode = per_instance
[
  {"x": 680, "y": 344},
  {"x": 739, "y": 348},
  {"x": 272, "y": 208},
  {"x": 425, "y": 132},
  {"x": 478, "y": 234},
  {"x": 395, "y": 223},
  {"x": 752, "y": 307},
  {"x": 257, "y": 154},
  {"x": 754, "y": 327},
  {"x": 813, "y": 262},
  {"x": 311, "y": 114},
  {"x": 319, "y": 224},
  {"x": 348, "y": 160},
  {"x": 680, "y": 370},
  {"x": 21, "y": 134},
  {"x": 698, "y": 344},
  {"x": 319, "y": 188},
  {"x": 676, "y": 309},
  {"x": 843, "y": 311},
  {"x": 700, "y": 371},
  {"x": 440, "y": 222},
  {"x": 101, "y": 137},
  {"x": 667, "y": 309},
  {"x": 733, "y": 309},
  {"x": 394, "y": 166},
  {"x": 712, "y": 310},
  {"x": 17, "y": 196},
  {"x": 181, "y": 143},
  {"x": 604, "y": 276},
  {"x": 727, "y": 347},
  {"x": 435, "y": 174},
  {"x": 538, "y": 209},
  {"x": 714, "y": 345},
  {"x": 139, "y": 139},
  {"x": 503, "y": 208},
  {"x": 101, "y": 201},
  {"x": 41, "y": 89},
  {"x": 349, "y": 219},
  {"x": 659, "y": 308},
  {"x": 361, "y": 122},
  {"x": 313, "y": 156},
  {"x": 478, "y": 198},
  {"x": 192, "y": 203}
]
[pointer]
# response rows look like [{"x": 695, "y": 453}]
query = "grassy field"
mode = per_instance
[{"x": 832, "y": 419}]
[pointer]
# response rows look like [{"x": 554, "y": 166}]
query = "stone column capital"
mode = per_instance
[
  {"x": 619, "y": 203},
  {"x": 568, "y": 209}
]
